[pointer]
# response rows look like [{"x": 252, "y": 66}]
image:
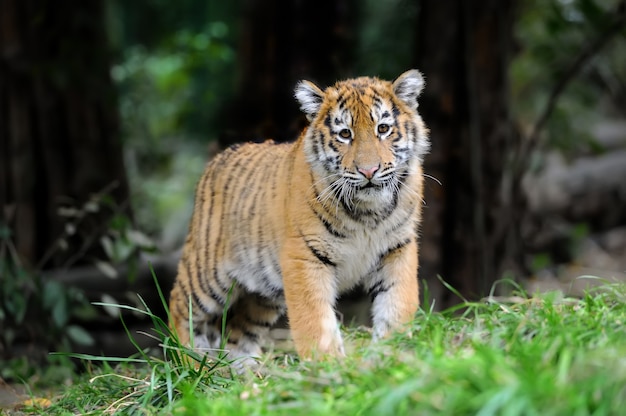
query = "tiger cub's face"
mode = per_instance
[{"x": 365, "y": 138}]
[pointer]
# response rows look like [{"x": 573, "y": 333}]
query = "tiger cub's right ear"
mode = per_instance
[{"x": 310, "y": 98}]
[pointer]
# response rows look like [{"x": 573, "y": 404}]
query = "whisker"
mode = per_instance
[
  {"x": 325, "y": 178},
  {"x": 319, "y": 197},
  {"x": 408, "y": 189},
  {"x": 433, "y": 178},
  {"x": 328, "y": 192}
]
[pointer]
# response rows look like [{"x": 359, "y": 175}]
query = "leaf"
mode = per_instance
[
  {"x": 70, "y": 229},
  {"x": 60, "y": 313},
  {"x": 79, "y": 335},
  {"x": 68, "y": 212},
  {"x": 107, "y": 269},
  {"x": 107, "y": 245},
  {"x": 91, "y": 206},
  {"x": 16, "y": 307},
  {"x": 140, "y": 239},
  {"x": 123, "y": 250},
  {"x": 108, "y": 303},
  {"x": 52, "y": 292}
]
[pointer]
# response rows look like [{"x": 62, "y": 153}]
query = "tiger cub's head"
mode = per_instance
[{"x": 365, "y": 137}]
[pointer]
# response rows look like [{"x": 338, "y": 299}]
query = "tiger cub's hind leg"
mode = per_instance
[
  {"x": 201, "y": 332},
  {"x": 249, "y": 322}
]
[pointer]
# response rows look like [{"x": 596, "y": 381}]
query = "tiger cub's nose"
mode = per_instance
[{"x": 368, "y": 172}]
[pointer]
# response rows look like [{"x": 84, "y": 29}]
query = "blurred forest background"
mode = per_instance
[{"x": 110, "y": 109}]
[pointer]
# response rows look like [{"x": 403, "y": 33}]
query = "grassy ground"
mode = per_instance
[{"x": 544, "y": 355}]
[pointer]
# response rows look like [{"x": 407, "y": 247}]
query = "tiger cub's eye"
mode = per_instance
[
  {"x": 345, "y": 134},
  {"x": 383, "y": 128}
]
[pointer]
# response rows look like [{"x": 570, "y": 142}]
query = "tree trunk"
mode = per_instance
[
  {"x": 281, "y": 43},
  {"x": 463, "y": 50},
  {"x": 61, "y": 168}
]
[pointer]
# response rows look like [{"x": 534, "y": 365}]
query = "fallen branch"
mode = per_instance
[{"x": 95, "y": 282}]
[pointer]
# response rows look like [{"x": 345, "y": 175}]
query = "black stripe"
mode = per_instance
[
  {"x": 378, "y": 288},
  {"x": 183, "y": 309},
  {"x": 220, "y": 284},
  {"x": 397, "y": 247},
  {"x": 268, "y": 285},
  {"x": 200, "y": 304},
  {"x": 219, "y": 298},
  {"x": 333, "y": 146},
  {"x": 313, "y": 207},
  {"x": 413, "y": 133},
  {"x": 411, "y": 130},
  {"x": 341, "y": 103},
  {"x": 377, "y": 102},
  {"x": 375, "y": 289},
  {"x": 395, "y": 110},
  {"x": 327, "y": 225},
  {"x": 227, "y": 200},
  {"x": 272, "y": 304},
  {"x": 237, "y": 199},
  {"x": 399, "y": 136},
  {"x": 323, "y": 257},
  {"x": 212, "y": 335},
  {"x": 328, "y": 123},
  {"x": 331, "y": 164},
  {"x": 208, "y": 255},
  {"x": 205, "y": 215},
  {"x": 272, "y": 231},
  {"x": 193, "y": 289},
  {"x": 250, "y": 335},
  {"x": 401, "y": 224},
  {"x": 206, "y": 288},
  {"x": 314, "y": 262},
  {"x": 257, "y": 322},
  {"x": 317, "y": 146},
  {"x": 260, "y": 221}
]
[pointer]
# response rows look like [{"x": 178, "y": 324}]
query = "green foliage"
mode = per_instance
[
  {"x": 35, "y": 317},
  {"x": 39, "y": 314},
  {"x": 159, "y": 383},
  {"x": 173, "y": 88},
  {"x": 26, "y": 298},
  {"x": 385, "y": 37},
  {"x": 169, "y": 96},
  {"x": 545, "y": 355},
  {"x": 552, "y": 34}
]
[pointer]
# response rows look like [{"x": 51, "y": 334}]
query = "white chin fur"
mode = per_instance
[{"x": 374, "y": 196}]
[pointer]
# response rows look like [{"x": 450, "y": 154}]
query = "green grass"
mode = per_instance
[{"x": 545, "y": 355}]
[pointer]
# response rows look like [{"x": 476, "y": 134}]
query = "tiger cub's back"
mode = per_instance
[{"x": 234, "y": 235}]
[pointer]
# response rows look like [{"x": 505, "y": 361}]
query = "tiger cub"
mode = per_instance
[{"x": 289, "y": 227}]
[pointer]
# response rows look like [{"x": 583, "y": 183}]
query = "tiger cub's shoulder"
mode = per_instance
[{"x": 250, "y": 150}]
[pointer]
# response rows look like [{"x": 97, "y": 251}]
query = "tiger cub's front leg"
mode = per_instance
[
  {"x": 310, "y": 295},
  {"x": 394, "y": 289}
]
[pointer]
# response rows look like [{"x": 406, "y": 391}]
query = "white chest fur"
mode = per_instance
[{"x": 358, "y": 256}]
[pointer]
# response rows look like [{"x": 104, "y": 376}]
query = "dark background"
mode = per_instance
[{"x": 109, "y": 110}]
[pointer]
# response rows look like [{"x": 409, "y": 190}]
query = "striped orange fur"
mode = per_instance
[{"x": 289, "y": 227}]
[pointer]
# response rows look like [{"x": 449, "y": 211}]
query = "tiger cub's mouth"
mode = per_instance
[{"x": 371, "y": 185}]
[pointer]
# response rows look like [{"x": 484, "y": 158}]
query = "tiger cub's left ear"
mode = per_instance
[
  {"x": 408, "y": 87},
  {"x": 310, "y": 98}
]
